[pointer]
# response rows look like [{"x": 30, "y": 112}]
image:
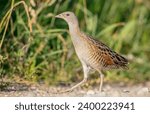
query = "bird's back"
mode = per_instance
[{"x": 99, "y": 56}]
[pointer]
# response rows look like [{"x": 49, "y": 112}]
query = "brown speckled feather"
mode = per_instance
[{"x": 107, "y": 58}]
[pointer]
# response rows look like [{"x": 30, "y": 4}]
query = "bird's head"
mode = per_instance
[{"x": 69, "y": 17}]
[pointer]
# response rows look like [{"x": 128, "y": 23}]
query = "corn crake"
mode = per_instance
[{"x": 92, "y": 54}]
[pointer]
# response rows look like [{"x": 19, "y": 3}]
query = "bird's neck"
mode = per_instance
[
  {"x": 76, "y": 36},
  {"x": 74, "y": 30}
]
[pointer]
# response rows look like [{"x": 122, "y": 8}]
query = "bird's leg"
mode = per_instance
[
  {"x": 86, "y": 71},
  {"x": 101, "y": 81}
]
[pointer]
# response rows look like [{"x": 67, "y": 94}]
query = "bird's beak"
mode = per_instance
[{"x": 58, "y": 16}]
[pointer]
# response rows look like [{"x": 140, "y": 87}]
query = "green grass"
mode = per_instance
[{"x": 37, "y": 47}]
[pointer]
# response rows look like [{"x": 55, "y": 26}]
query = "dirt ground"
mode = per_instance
[{"x": 109, "y": 90}]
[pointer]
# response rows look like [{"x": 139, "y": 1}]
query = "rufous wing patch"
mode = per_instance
[{"x": 108, "y": 60}]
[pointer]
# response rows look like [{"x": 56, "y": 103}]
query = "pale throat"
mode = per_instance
[
  {"x": 74, "y": 28},
  {"x": 75, "y": 34}
]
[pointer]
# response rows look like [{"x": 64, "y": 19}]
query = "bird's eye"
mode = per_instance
[{"x": 67, "y": 14}]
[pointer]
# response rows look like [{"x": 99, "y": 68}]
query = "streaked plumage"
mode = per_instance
[{"x": 92, "y": 53}]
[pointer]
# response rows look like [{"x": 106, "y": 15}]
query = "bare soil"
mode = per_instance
[{"x": 14, "y": 89}]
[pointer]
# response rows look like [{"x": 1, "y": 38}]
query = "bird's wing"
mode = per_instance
[{"x": 109, "y": 58}]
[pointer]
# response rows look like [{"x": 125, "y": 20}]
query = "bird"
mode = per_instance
[{"x": 93, "y": 54}]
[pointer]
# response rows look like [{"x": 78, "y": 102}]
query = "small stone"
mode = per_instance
[
  {"x": 116, "y": 94},
  {"x": 108, "y": 87},
  {"x": 143, "y": 91},
  {"x": 126, "y": 91},
  {"x": 31, "y": 94},
  {"x": 102, "y": 94},
  {"x": 90, "y": 92},
  {"x": 33, "y": 88}
]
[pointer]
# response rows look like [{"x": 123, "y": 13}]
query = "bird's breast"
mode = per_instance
[
  {"x": 85, "y": 51},
  {"x": 80, "y": 46}
]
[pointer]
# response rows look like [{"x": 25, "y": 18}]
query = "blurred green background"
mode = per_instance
[{"x": 35, "y": 46}]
